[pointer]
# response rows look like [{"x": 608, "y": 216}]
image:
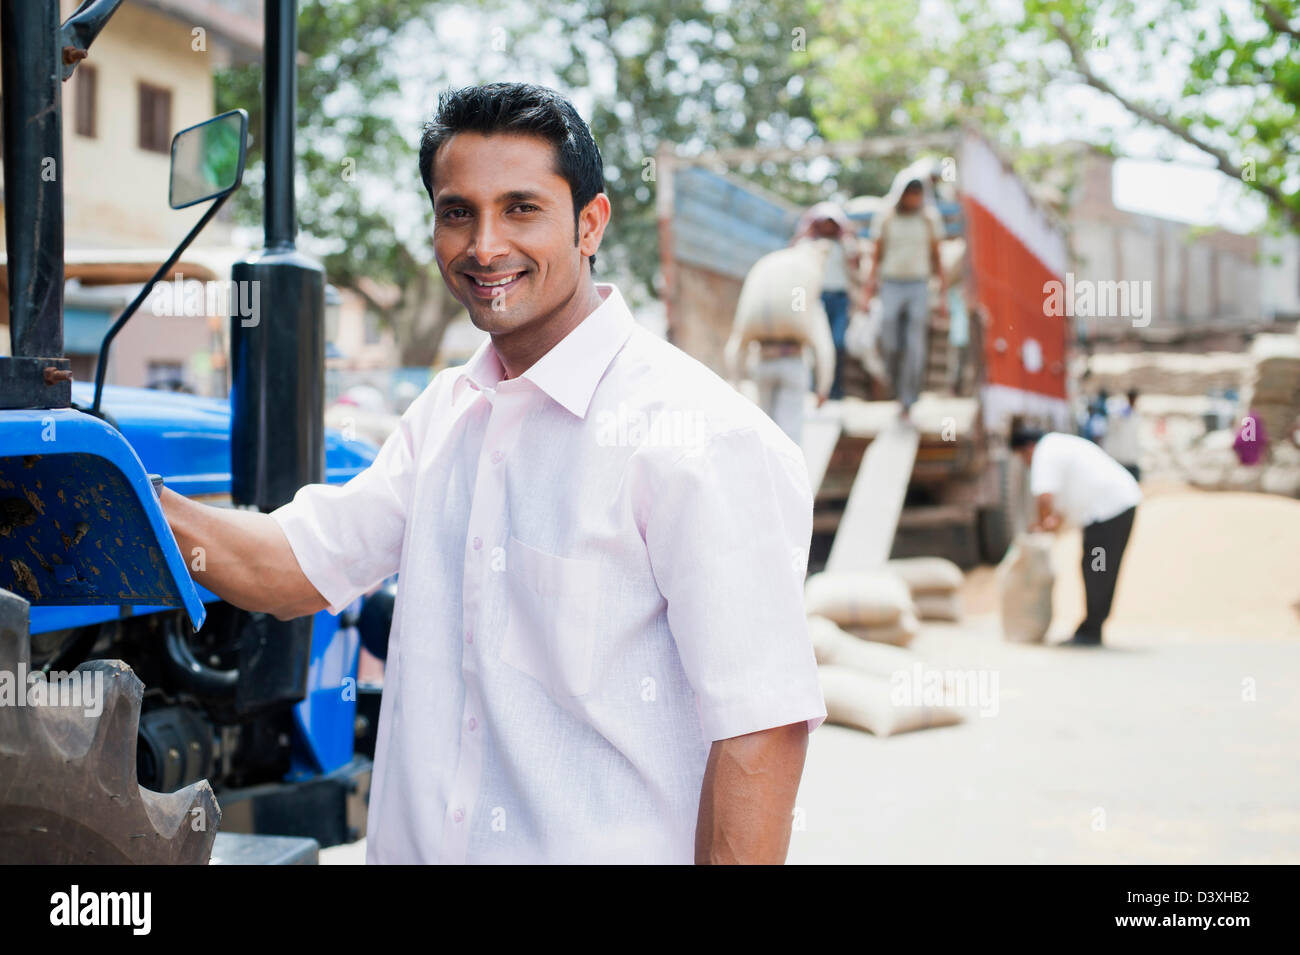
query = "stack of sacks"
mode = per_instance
[
  {"x": 865, "y": 684},
  {"x": 1213, "y": 466},
  {"x": 1271, "y": 387},
  {"x": 1166, "y": 373},
  {"x": 1025, "y": 579},
  {"x": 1211, "y": 460},
  {"x": 873, "y": 605},
  {"x": 935, "y": 584}
]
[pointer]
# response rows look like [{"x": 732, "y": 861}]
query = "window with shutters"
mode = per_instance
[
  {"x": 87, "y": 89},
  {"x": 155, "y": 118}
]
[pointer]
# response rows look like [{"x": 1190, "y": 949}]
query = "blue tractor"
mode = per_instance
[{"x": 207, "y": 717}]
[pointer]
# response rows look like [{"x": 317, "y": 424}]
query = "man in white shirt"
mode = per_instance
[
  {"x": 1072, "y": 479},
  {"x": 599, "y": 651}
]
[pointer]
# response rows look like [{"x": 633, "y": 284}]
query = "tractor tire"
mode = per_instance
[{"x": 68, "y": 790}]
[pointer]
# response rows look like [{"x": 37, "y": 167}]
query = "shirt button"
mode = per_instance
[
  {"x": 496, "y": 457},
  {"x": 478, "y": 542},
  {"x": 469, "y": 636},
  {"x": 473, "y": 724},
  {"x": 458, "y": 815}
]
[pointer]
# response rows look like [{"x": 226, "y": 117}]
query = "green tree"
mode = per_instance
[
  {"x": 351, "y": 150},
  {"x": 1235, "y": 66}
]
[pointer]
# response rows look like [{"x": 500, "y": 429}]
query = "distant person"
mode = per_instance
[
  {"x": 1121, "y": 441},
  {"x": 1251, "y": 442},
  {"x": 826, "y": 220},
  {"x": 1073, "y": 479},
  {"x": 1097, "y": 425},
  {"x": 907, "y": 238}
]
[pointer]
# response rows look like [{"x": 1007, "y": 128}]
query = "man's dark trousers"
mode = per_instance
[{"x": 1103, "y": 547}]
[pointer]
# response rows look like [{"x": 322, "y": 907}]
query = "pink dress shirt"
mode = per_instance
[{"x": 601, "y": 571}]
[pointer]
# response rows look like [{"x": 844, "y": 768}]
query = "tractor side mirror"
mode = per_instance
[
  {"x": 208, "y": 159},
  {"x": 207, "y": 163}
]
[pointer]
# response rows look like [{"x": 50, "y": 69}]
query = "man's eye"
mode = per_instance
[
  {"x": 524, "y": 207},
  {"x": 451, "y": 214}
]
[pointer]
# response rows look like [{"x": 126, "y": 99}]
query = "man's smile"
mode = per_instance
[{"x": 490, "y": 286}]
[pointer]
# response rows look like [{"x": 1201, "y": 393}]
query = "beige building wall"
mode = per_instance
[
  {"x": 116, "y": 193},
  {"x": 1199, "y": 279}
]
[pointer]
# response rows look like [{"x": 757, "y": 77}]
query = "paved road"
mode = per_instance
[{"x": 1147, "y": 752}]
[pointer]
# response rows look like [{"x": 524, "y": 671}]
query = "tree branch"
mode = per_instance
[
  {"x": 1225, "y": 163},
  {"x": 1275, "y": 19}
]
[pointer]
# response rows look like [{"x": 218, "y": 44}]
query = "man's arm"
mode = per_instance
[
  {"x": 747, "y": 801},
  {"x": 873, "y": 269},
  {"x": 246, "y": 559},
  {"x": 936, "y": 264},
  {"x": 1048, "y": 519}
]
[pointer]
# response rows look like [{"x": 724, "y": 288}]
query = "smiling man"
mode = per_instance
[{"x": 599, "y": 650}]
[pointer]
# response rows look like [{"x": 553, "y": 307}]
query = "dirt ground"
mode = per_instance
[{"x": 1176, "y": 743}]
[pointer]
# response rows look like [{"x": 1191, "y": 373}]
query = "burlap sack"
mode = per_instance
[
  {"x": 927, "y": 575},
  {"x": 837, "y": 647},
  {"x": 899, "y": 633},
  {"x": 1025, "y": 578},
  {"x": 858, "y": 599},
  {"x": 864, "y": 701},
  {"x": 782, "y": 292},
  {"x": 936, "y": 606}
]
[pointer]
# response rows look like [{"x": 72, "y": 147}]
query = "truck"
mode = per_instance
[
  {"x": 144, "y": 714},
  {"x": 964, "y": 496}
]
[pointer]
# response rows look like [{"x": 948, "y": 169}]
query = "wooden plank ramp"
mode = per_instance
[{"x": 866, "y": 531}]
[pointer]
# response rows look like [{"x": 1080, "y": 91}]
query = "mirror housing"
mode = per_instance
[{"x": 208, "y": 159}]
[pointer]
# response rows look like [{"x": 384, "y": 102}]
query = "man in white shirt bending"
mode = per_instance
[{"x": 1074, "y": 480}]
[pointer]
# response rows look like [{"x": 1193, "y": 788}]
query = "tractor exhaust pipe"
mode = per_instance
[{"x": 277, "y": 399}]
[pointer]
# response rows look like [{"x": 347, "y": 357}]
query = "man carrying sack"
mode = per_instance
[{"x": 780, "y": 310}]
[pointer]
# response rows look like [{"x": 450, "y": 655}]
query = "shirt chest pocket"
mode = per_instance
[{"x": 551, "y": 623}]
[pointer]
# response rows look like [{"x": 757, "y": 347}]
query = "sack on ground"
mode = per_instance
[
  {"x": 927, "y": 575},
  {"x": 835, "y": 646},
  {"x": 1025, "y": 578},
  {"x": 858, "y": 599},
  {"x": 870, "y": 703},
  {"x": 936, "y": 606},
  {"x": 899, "y": 633}
]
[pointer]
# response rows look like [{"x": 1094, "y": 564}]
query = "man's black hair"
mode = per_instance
[
  {"x": 1022, "y": 437},
  {"x": 519, "y": 108},
  {"x": 913, "y": 185}
]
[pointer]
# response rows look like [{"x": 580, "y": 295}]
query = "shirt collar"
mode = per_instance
[{"x": 570, "y": 371}]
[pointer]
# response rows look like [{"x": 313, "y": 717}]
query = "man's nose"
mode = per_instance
[{"x": 489, "y": 241}]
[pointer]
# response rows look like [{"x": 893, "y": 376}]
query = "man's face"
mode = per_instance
[
  {"x": 910, "y": 202},
  {"x": 504, "y": 231}
]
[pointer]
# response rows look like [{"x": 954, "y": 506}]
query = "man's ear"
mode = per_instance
[{"x": 591, "y": 224}]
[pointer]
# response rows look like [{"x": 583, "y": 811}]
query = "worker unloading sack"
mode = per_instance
[{"x": 780, "y": 310}]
